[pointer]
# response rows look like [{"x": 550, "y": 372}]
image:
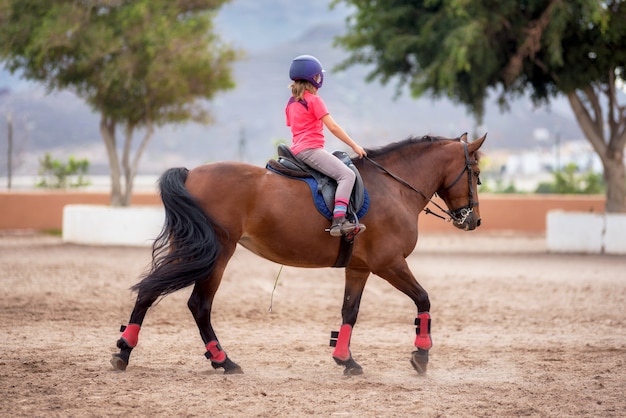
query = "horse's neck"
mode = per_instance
[{"x": 422, "y": 167}]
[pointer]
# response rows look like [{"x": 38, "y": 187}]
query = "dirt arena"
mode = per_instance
[{"x": 517, "y": 332}]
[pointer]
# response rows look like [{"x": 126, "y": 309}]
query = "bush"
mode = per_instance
[
  {"x": 570, "y": 181},
  {"x": 59, "y": 175}
]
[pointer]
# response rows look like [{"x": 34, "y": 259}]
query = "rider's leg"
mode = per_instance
[{"x": 328, "y": 164}]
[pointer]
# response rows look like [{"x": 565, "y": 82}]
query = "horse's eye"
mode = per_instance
[{"x": 478, "y": 179}]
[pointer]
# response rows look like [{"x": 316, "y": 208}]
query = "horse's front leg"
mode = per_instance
[
  {"x": 355, "y": 283},
  {"x": 400, "y": 277}
]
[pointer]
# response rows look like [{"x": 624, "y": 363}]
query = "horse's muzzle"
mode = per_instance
[{"x": 469, "y": 223}]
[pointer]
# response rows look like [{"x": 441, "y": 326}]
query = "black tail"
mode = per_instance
[{"x": 187, "y": 247}]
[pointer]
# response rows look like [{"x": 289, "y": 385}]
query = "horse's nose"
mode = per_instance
[{"x": 478, "y": 223}]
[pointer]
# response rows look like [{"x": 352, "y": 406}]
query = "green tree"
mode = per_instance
[
  {"x": 139, "y": 64},
  {"x": 466, "y": 49},
  {"x": 59, "y": 175}
]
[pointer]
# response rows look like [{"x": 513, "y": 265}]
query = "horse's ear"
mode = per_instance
[
  {"x": 463, "y": 137},
  {"x": 474, "y": 146}
]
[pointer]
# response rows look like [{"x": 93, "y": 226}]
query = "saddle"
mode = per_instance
[{"x": 322, "y": 186}]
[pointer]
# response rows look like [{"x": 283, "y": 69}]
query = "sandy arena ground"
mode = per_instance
[{"x": 517, "y": 332}]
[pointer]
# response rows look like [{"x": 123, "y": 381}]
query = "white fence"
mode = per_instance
[
  {"x": 107, "y": 225},
  {"x": 593, "y": 233}
]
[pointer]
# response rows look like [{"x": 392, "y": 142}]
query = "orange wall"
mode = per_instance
[
  {"x": 527, "y": 213},
  {"x": 44, "y": 210},
  {"x": 520, "y": 213}
]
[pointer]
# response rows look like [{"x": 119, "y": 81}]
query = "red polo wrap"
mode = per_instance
[
  {"x": 342, "y": 349},
  {"x": 216, "y": 352},
  {"x": 131, "y": 334},
  {"x": 422, "y": 338}
]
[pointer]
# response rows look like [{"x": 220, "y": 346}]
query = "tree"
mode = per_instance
[
  {"x": 139, "y": 64},
  {"x": 465, "y": 50}
]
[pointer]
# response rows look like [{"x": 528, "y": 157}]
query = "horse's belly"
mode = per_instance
[{"x": 308, "y": 254}]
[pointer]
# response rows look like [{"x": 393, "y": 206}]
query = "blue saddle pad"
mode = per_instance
[{"x": 318, "y": 198}]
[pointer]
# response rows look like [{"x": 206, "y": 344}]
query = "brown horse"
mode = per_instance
[{"x": 213, "y": 207}]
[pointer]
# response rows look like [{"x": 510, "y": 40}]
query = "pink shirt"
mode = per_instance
[{"x": 306, "y": 124}]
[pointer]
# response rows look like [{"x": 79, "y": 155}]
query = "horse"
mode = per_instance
[{"x": 213, "y": 207}]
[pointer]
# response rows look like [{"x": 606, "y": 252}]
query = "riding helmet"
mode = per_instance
[{"x": 307, "y": 67}]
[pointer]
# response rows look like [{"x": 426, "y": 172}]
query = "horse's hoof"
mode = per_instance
[
  {"x": 234, "y": 370},
  {"x": 118, "y": 362},
  {"x": 229, "y": 366},
  {"x": 419, "y": 360},
  {"x": 353, "y": 371},
  {"x": 352, "y": 368}
]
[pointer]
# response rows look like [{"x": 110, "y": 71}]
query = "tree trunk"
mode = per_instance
[
  {"x": 615, "y": 179},
  {"x": 119, "y": 196},
  {"x": 611, "y": 152},
  {"x": 9, "y": 150},
  {"x": 107, "y": 130},
  {"x": 130, "y": 169},
  {"x": 128, "y": 176}
]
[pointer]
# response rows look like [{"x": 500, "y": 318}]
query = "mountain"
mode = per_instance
[{"x": 249, "y": 120}]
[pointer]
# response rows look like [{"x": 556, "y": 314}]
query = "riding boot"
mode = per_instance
[{"x": 341, "y": 226}]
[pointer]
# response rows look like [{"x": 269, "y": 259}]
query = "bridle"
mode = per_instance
[{"x": 459, "y": 215}]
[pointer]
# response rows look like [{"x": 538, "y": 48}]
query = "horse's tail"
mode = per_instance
[{"x": 187, "y": 247}]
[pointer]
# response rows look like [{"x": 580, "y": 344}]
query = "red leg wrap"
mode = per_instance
[
  {"x": 216, "y": 354},
  {"x": 422, "y": 331},
  {"x": 131, "y": 334},
  {"x": 342, "y": 349}
]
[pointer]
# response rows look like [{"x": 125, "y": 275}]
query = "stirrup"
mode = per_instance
[
  {"x": 358, "y": 228},
  {"x": 346, "y": 228},
  {"x": 335, "y": 230}
]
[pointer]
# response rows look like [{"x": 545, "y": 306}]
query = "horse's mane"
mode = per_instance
[{"x": 399, "y": 145}]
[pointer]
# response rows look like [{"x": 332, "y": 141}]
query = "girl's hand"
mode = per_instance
[{"x": 359, "y": 150}]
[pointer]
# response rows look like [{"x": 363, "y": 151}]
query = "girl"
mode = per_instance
[{"x": 307, "y": 115}]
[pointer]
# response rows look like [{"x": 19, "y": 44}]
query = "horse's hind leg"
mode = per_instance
[
  {"x": 355, "y": 283},
  {"x": 200, "y": 304},
  {"x": 130, "y": 332}
]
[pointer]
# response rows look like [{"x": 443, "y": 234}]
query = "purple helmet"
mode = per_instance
[{"x": 307, "y": 67}]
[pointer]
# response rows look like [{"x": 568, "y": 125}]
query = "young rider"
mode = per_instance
[{"x": 306, "y": 116}]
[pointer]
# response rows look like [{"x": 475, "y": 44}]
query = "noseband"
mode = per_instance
[{"x": 459, "y": 215}]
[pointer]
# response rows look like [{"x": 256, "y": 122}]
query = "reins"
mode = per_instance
[
  {"x": 464, "y": 211},
  {"x": 405, "y": 183}
]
